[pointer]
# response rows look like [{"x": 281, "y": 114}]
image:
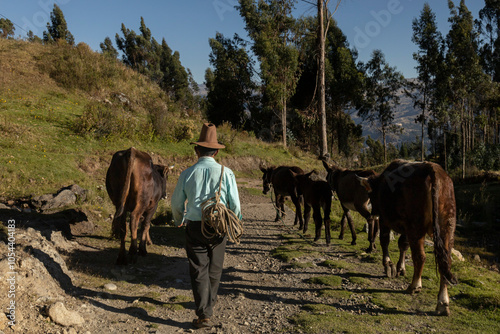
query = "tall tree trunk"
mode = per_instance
[
  {"x": 283, "y": 121},
  {"x": 385, "y": 146},
  {"x": 321, "y": 79},
  {"x": 445, "y": 151},
  {"x": 422, "y": 144}
]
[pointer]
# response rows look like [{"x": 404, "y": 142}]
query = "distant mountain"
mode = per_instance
[
  {"x": 405, "y": 115},
  {"x": 203, "y": 90}
]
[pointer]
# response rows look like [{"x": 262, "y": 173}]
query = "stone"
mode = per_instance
[
  {"x": 110, "y": 286},
  {"x": 62, "y": 316},
  {"x": 3, "y": 321}
]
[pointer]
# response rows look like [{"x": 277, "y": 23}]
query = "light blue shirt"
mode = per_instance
[{"x": 199, "y": 183}]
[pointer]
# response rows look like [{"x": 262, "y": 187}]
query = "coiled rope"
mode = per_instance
[{"x": 217, "y": 220}]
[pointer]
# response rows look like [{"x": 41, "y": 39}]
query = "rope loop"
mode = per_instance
[{"x": 217, "y": 220}]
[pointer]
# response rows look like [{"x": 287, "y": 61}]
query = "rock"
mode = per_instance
[
  {"x": 458, "y": 255},
  {"x": 60, "y": 242},
  {"x": 3, "y": 321},
  {"x": 64, "y": 197},
  {"x": 4, "y": 207},
  {"x": 110, "y": 286},
  {"x": 477, "y": 258},
  {"x": 59, "y": 314}
]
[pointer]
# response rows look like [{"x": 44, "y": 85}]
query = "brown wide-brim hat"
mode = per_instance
[{"x": 208, "y": 137}]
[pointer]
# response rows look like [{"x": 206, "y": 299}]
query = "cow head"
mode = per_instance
[
  {"x": 332, "y": 172},
  {"x": 365, "y": 183},
  {"x": 163, "y": 171},
  {"x": 300, "y": 179},
  {"x": 266, "y": 178}
]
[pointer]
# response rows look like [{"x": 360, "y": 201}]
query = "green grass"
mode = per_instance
[{"x": 474, "y": 302}]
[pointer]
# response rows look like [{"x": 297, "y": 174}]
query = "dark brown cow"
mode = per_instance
[
  {"x": 352, "y": 196},
  {"x": 318, "y": 195},
  {"x": 280, "y": 179},
  {"x": 415, "y": 199},
  {"x": 134, "y": 185}
]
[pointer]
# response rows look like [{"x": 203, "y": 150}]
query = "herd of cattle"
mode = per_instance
[{"x": 414, "y": 199}]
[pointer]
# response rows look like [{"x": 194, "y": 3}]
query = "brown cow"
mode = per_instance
[
  {"x": 318, "y": 195},
  {"x": 134, "y": 185},
  {"x": 415, "y": 199},
  {"x": 280, "y": 179},
  {"x": 352, "y": 196}
]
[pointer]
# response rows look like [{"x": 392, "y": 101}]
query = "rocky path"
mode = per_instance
[{"x": 258, "y": 292}]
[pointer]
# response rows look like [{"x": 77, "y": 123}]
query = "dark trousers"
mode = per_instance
[{"x": 206, "y": 260}]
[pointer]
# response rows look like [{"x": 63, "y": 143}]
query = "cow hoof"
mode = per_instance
[
  {"x": 341, "y": 237},
  {"x": 353, "y": 242},
  {"x": 401, "y": 272},
  {"x": 121, "y": 261},
  {"x": 442, "y": 309},
  {"x": 390, "y": 270},
  {"x": 369, "y": 250},
  {"x": 412, "y": 291},
  {"x": 143, "y": 252}
]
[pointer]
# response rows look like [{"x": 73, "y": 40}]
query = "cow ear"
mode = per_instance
[
  {"x": 262, "y": 168},
  {"x": 364, "y": 183}
]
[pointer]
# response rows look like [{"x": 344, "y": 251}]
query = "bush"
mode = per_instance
[{"x": 103, "y": 120}]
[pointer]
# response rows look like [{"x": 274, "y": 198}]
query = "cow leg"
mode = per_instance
[
  {"x": 443, "y": 307},
  {"x": 120, "y": 227},
  {"x": 307, "y": 214},
  {"x": 318, "y": 222},
  {"x": 403, "y": 247},
  {"x": 342, "y": 224},
  {"x": 280, "y": 208},
  {"x": 298, "y": 211},
  {"x": 135, "y": 217},
  {"x": 418, "y": 257},
  {"x": 390, "y": 269},
  {"x": 145, "y": 238},
  {"x": 351, "y": 227},
  {"x": 372, "y": 234},
  {"x": 327, "y": 223}
]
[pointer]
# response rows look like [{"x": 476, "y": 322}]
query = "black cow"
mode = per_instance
[{"x": 280, "y": 179}]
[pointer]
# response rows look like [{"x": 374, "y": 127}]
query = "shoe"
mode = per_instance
[{"x": 202, "y": 323}]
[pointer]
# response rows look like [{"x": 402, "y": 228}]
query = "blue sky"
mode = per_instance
[{"x": 187, "y": 25}]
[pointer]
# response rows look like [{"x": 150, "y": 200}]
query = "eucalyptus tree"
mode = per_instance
[
  {"x": 428, "y": 39},
  {"x": 6, "y": 28},
  {"x": 489, "y": 29},
  {"x": 57, "y": 28},
  {"x": 157, "y": 61},
  {"x": 230, "y": 86},
  {"x": 381, "y": 94},
  {"x": 465, "y": 73},
  {"x": 272, "y": 28},
  {"x": 108, "y": 49}
]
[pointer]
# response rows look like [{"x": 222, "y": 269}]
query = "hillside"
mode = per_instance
[{"x": 65, "y": 111}]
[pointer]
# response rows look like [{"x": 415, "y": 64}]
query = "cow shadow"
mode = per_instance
[{"x": 69, "y": 221}]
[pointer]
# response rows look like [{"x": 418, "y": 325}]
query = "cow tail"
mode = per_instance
[
  {"x": 441, "y": 254},
  {"x": 126, "y": 186}
]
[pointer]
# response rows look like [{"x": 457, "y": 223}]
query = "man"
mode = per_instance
[{"x": 206, "y": 256}]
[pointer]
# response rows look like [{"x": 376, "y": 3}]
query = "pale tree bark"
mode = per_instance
[
  {"x": 322, "y": 6},
  {"x": 321, "y": 77}
]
